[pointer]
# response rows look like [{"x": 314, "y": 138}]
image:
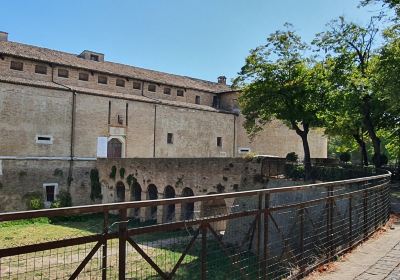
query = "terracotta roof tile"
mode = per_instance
[{"x": 72, "y": 60}]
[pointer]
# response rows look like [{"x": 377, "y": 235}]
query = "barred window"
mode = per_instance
[
  {"x": 152, "y": 88},
  {"x": 120, "y": 83},
  {"x": 41, "y": 69},
  {"x": 167, "y": 91},
  {"x": 102, "y": 80},
  {"x": 16, "y": 65},
  {"x": 63, "y": 73},
  {"x": 179, "y": 92},
  {"x": 137, "y": 85},
  {"x": 83, "y": 76}
]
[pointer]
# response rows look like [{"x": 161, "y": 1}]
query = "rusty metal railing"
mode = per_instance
[{"x": 260, "y": 234}]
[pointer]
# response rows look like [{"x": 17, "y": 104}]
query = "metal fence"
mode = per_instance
[{"x": 262, "y": 234}]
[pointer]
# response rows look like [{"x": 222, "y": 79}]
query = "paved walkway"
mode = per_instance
[{"x": 376, "y": 259}]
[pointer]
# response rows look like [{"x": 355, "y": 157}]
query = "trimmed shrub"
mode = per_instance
[
  {"x": 345, "y": 157},
  {"x": 292, "y": 157}
]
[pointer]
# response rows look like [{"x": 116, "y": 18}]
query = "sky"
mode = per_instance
[{"x": 198, "y": 38}]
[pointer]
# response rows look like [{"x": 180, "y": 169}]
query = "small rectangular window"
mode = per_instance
[
  {"x": 94, "y": 57},
  {"x": 219, "y": 141},
  {"x": 44, "y": 139},
  {"x": 40, "y": 69},
  {"x": 102, "y": 80},
  {"x": 50, "y": 193},
  {"x": 137, "y": 85},
  {"x": 197, "y": 99},
  {"x": 167, "y": 90},
  {"x": 244, "y": 150},
  {"x": 63, "y": 73},
  {"x": 152, "y": 88},
  {"x": 16, "y": 65},
  {"x": 179, "y": 92},
  {"x": 120, "y": 83},
  {"x": 170, "y": 138},
  {"x": 83, "y": 76}
]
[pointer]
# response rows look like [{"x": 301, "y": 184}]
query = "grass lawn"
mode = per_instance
[{"x": 164, "y": 248}]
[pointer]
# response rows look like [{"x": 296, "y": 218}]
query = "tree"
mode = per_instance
[
  {"x": 392, "y": 4},
  {"x": 352, "y": 46},
  {"x": 279, "y": 81},
  {"x": 340, "y": 118}
]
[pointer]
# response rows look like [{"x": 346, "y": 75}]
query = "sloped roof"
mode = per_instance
[
  {"x": 72, "y": 60},
  {"x": 51, "y": 85}
]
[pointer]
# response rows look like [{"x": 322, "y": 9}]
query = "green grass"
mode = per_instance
[{"x": 165, "y": 248}]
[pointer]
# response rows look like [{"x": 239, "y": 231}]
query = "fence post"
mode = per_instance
[
  {"x": 350, "y": 221},
  {"x": 259, "y": 224},
  {"x": 203, "y": 251},
  {"x": 266, "y": 236},
  {"x": 330, "y": 222},
  {"x": 302, "y": 267},
  {"x": 122, "y": 235},
  {"x": 365, "y": 212},
  {"x": 104, "y": 259}
]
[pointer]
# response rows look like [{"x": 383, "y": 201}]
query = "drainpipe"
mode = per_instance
[
  {"x": 72, "y": 139},
  {"x": 234, "y": 136}
]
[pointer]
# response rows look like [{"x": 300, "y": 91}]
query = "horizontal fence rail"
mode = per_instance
[{"x": 261, "y": 234}]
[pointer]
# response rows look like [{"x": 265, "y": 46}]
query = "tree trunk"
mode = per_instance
[
  {"x": 306, "y": 147},
  {"x": 376, "y": 142},
  {"x": 363, "y": 148}
]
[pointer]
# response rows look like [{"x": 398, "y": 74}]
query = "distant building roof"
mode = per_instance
[{"x": 73, "y": 60}]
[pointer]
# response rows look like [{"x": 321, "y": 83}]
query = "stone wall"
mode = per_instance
[{"x": 22, "y": 179}]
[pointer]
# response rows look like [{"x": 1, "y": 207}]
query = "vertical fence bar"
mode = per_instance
[
  {"x": 365, "y": 212},
  {"x": 104, "y": 256},
  {"x": 302, "y": 263},
  {"x": 330, "y": 222},
  {"x": 350, "y": 221},
  {"x": 122, "y": 235},
  {"x": 266, "y": 237},
  {"x": 258, "y": 241},
  {"x": 203, "y": 251}
]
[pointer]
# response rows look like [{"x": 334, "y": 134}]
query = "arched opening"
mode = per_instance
[
  {"x": 212, "y": 208},
  {"x": 169, "y": 210},
  {"x": 114, "y": 148},
  {"x": 136, "y": 195},
  {"x": 187, "y": 208},
  {"x": 152, "y": 194},
  {"x": 120, "y": 192}
]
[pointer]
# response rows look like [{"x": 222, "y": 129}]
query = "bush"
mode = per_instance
[
  {"x": 35, "y": 203},
  {"x": 294, "y": 171},
  {"x": 63, "y": 200},
  {"x": 292, "y": 157},
  {"x": 345, "y": 157},
  {"x": 384, "y": 159}
]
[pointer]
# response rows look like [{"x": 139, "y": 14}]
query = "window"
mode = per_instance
[
  {"x": 179, "y": 92},
  {"x": 44, "y": 139},
  {"x": 120, "y": 83},
  {"x": 40, "y": 69},
  {"x": 83, "y": 76},
  {"x": 63, "y": 73},
  {"x": 244, "y": 150},
  {"x": 219, "y": 141},
  {"x": 16, "y": 65},
  {"x": 94, "y": 57},
  {"x": 170, "y": 138},
  {"x": 50, "y": 193},
  {"x": 102, "y": 80},
  {"x": 167, "y": 90},
  {"x": 197, "y": 99},
  {"x": 215, "y": 102},
  {"x": 137, "y": 85},
  {"x": 152, "y": 88}
]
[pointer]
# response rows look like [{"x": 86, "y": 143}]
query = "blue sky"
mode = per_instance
[{"x": 198, "y": 38}]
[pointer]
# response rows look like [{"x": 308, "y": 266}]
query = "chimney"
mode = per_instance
[
  {"x": 222, "y": 80},
  {"x": 3, "y": 36}
]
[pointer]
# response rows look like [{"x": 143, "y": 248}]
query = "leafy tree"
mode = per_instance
[
  {"x": 279, "y": 81},
  {"x": 392, "y": 4},
  {"x": 345, "y": 157},
  {"x": 351, "y": 46}
]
